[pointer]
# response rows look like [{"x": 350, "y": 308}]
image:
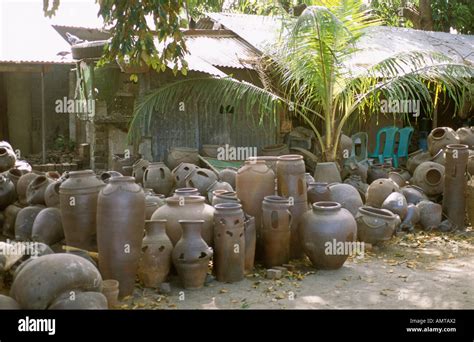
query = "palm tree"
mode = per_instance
[{"x": 309, "y": 73}]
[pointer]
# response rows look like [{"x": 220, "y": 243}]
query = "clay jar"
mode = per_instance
[
  {"x": 158, "y": 177},
  {"x": 327, "y": 173},
  {"x": 110, "y": 289},
  {"x": 78, "y": 204},
  {"x": 139, "y": 168},
  {"x": 186, "y": 208},
  {"x": 120, "y": 224},
  {"x": 223, "y": 196},
  {"x": 454, "y": 194},
  {"x": 180, "y": 173},
  {"x": 24, "y": 222},
  {"x": 228, "y": 175},
  {"x": 7, "y": 192},
  {"x": 45, "y": 278},
  {"x": 291, "y": 183},
  {"x": 229, "y": 242},
  {"x": 179, "y": 155},
  {"x": 309, "y": 179},
  {"x": 276, "y": 231},
  {"x": 318, "y": 192},
  {"x": 191, "y": 255},
  {"x": 11, "y": 213},
  {"x": 36, "y": 189},
  {"x": 152, "y": 202},
  {"x": 430, "y": 214},
  {"x": 377, "y": 171},
  {"x": 430, "y": 177},
  {"x": 347, "y": 196},
  {"x": 47, "y": 227},
  {"x": 155, "y": 261},
  {"x": 322, "y": 229},
  {"x": 397, "y": 178},
  {"x": 413, "y": 194},
  {"x": 7, "y": 158},
  {"x": 14, "y": 175},
  {"x": 397, "y": 204},
  {"x": 379, "y": 190},
  {"x": 254, "y": 181},
  {"x": 217, "y": 185},
  {"x": 375, "y": 225},
  {"x": 22, "y": 185},
  {"x": 466, "y": 136},
  {"x": 440, "y": 137},
  {"x": 51, "y": 195},
  {"x": 201, "y": 179},
  {"x": 357, "y": 182}
]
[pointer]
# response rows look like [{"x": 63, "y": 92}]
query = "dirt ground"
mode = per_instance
[{"x": 412, "y": 271}]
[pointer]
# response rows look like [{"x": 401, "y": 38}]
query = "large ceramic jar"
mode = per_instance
[
  {"x": 201, "y": 179},
  {"x": 139, "y": 168},
  {"x": 327, "y": 173},
  {"x": 155, "y": 261},
  {"x": 78, "y": 204},
  {"x": 228, "y": 175},
  {"x": 229, "y": 242},
  {"x": 179, "y": 155},
  {"x": 466, "y": 136},
  {"x": 276, "y": 231},
  {"x": 323, "y": 229},
  {"x": 470, "y": 200},
  {"x": 47, "y": 227},
  {"x": 375, "y": 225},
  {"x": 430, "y": 177},
  {"x": 180, "y": 173},
  {"x": 379, "y": 190},
  {"x": 413, "y": 194},
  {"x": 254, "y": 181},
  {"x": 14, "y": 175},
  {"x": 347, "y": 196},
  {"x": 397, "y": 204},
  {"x": 291, "y": 183},
  {"x": 357, "y": 182},
  {"x": 440, "y": 137},
  {"x": 191, "y": 255},
  {"x": 318, "y": 192},
  {"x": 7, "y": 158},
  {"x": 7, "y": 192},
  {"x": 158, "y": 177},
  {"x": 454, "y": 194},
  {"x": 24, "y": 222},
  {"x": 22, "y": 186},
  {"x": 36, "y": 189},
  {"x": 120, "y": 224},
  {"x": 186, "y": 208},
  {"x": 430, "y": 214}
]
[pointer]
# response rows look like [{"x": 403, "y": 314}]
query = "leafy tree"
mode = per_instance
[{"x": 307, "y": 74}]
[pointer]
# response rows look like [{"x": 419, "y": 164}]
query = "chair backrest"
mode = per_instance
[
  {"x": 405, "y": 135},
  {"x": 359, "y": 139},
  {"x": 389, "y": 144}
]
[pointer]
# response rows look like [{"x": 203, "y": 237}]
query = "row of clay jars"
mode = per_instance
[
  {"x": 454, "y": 194},
  {"x": 327, "y": 223},
  {"x": 375, "y": 225},
  {"x": 276, "y": 231},
  {"x": 291, "y": 183},
  {"x": 78, "y": 204},
  {"x": 120, "y": 225},
  {"x": 229, "y": 242},
  {"x": 254, "y": 181},
  {"x": 158, "y": 176}
]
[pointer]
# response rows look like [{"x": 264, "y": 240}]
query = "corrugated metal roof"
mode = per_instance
[
  {"x": 379, "y": 42},
  {"x": 222, "y": 50},
  {"x": 26, "y": 36}
]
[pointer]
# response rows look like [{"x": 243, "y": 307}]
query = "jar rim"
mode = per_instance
[{"x": 326, "y": 206}]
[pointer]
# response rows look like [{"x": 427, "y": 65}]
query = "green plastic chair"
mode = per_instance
[
  {"x": 404, "y": 140},
  {"x": 359, "y": 139},
  {"x": 389, "y": 145}
]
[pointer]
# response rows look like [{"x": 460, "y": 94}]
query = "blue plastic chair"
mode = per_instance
[
  {"x": 404, "y": 140},
  {"x": 388, "y": 146}
]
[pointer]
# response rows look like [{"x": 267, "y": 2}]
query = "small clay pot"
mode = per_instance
[
  {"x": 158, "y": 177},
  {"x": 217, "y": 185},
  {"x": 430, "y": 214},
  {"x": 110, "y": 289},
  {"x": 379, "y": 190}
]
